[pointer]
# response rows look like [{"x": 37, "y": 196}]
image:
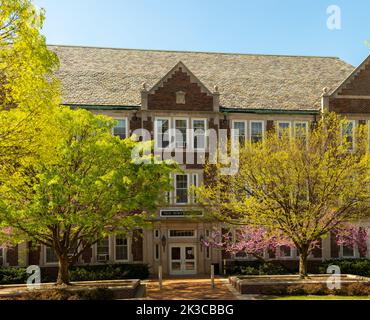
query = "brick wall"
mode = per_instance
[
  {"x": 359, "y": 85},
  {"x": 164, "y": 98},
  {"x": 350, "y": 105}
]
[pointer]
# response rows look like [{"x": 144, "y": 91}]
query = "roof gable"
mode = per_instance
[
  {"x": 179, "y": 89},
  {"x": 180, "y": 66},
  {"x": 357, "y": 83}
]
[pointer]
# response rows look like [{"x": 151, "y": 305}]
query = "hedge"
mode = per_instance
[
  {"x": 360, "y": 267},
  {"x": 13, "y": 275}
]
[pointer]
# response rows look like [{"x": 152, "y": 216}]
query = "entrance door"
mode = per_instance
[{"x": 182, "y": 259}]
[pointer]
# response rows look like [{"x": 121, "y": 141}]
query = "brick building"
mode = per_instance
[{"x": 159, "y": 90}]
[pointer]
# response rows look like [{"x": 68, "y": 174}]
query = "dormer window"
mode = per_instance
[{"x": 180, "y": 97}]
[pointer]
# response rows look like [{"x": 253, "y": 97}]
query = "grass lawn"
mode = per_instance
[{"x": 319, "y": 298}]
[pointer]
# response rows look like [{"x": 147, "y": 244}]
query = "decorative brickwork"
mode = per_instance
[{"x": 164, "y": 97}]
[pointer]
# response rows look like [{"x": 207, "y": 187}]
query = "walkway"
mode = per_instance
[{"x": 189, "y": 289}]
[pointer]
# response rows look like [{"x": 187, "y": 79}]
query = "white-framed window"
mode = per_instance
[
  {"x": 161, "y": 132},
  {"x": 102, "y": 250},
  {"x": 121, "y": 128},
  {"x": 284, "y": 127},
  {"x": 257, "y": 129},
  {"x": 157, "y": 252},
  {"x": 347, "y": 251},
  {"x": 181, "y": 188},
  {"x": 240, "y": 130},
  {"x": 50, "y": 255},
  {"x": 195, "y": 183},
  {"x": 285, "y": 252},
  {"x": 120, "y": 248},
  {"x": 301, "y": 130},
  {"x": 348, "y": 133},
  {"x": 182, "y": 233},
  {"x": 199, "y": 138},
  {"x": 181, "y": 126}
]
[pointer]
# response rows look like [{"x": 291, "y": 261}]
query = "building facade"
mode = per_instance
[{"x": 193, "y": 92}]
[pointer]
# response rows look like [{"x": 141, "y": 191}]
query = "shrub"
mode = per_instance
[
  {"x": 12, "y": 275},
  {"x": 109, "y": 272},
  {"x": 359, "y": 267},
  {"x": 249, "y": 268}
]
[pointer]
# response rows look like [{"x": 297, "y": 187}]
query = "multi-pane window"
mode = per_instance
[
  {"x": 121, "y": 248},
  {"x": 181, "y": 126},
  {"x": 256, "y": 131},
  {"x": 285, "y": 251},
  {"x": 240, "y": 129},
  {"x": 161, "y": 128},
  {"x": 283, "y": 129},
  {"x": 182, "y": 233},
  {"x": 120, "y": 129},
  {"x": 348, "y": 251},
  {"x": 301, "y": 131},
  {"x": 181, "y": 188},
  {"x": 199, "y": 129},
  {"x": 102, "y": 250},
  {"x": 195, "y": 183},
  {"x": 50, "y": 255},
  {"x": 348, "y": 134}
]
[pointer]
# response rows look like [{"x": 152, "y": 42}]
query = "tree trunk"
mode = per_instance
[
  {"x": 303, "y": 265},
  {"x": 63, "y": 271}
]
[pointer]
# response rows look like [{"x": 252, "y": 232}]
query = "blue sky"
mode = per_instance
[{"x": 266, "y": 26}]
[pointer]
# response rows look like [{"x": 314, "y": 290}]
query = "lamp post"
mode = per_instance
[
  {"x": 164, "y": 242},
  {"x": 201, "y": 238}
]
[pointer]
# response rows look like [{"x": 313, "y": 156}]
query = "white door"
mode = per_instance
[{"x": 182, "y": 259}]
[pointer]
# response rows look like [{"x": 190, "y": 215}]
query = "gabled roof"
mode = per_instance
[
  {"x": 178, "y": 66},
  {"x": 114, "y": 77},
  {"x": 350, "y": 77}
]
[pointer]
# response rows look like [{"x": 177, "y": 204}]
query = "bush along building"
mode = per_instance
[{"x": 194, "y": 92}]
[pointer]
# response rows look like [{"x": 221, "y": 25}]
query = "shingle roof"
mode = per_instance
[{"x": 114, "y": 77}]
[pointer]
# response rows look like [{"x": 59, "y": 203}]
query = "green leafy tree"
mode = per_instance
[
  {"x": 90, "y": 189},
  {"x": 29, "y": 93},
  {"x": 300, "y": 187}
]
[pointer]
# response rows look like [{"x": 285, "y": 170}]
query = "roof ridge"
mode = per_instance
[{"x": 189, "y": 51}]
